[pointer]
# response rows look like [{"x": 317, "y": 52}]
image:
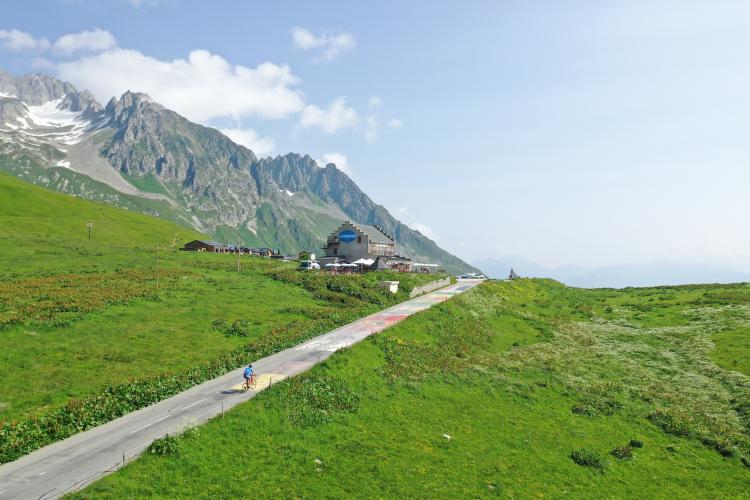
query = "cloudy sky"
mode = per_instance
[{"x": 568, "y": 133}]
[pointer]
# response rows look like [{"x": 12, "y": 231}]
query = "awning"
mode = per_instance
[{"x": 364, "y": 262}]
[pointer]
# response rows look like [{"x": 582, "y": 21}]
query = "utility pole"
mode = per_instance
[
  {"x": 238, "y": 257},
  {"x": 90, "y": 224},
  {"x": 157, "y": 265}
]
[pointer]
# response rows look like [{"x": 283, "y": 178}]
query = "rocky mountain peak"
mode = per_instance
[{"x": 130, "y": 104}]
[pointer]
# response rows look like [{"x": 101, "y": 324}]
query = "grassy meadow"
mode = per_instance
[
  {"x": 515, "y": 389},
  {"x": 82, "y": 319}
]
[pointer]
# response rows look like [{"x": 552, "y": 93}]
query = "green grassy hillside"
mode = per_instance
[
  {"x": 516, "y": 389},
  {"x": 42, "y": 232},
  {"x": 83, "y": 322}
]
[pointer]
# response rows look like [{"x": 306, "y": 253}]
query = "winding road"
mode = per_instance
[{"x": 70, "y": 465}]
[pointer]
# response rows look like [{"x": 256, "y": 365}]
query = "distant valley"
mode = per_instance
[{"x": 617, "y": 276}]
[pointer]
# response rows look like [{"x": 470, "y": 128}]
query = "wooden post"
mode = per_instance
[{"x": 157, "y": 265}]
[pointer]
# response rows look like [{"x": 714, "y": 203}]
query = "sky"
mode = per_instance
[{"x": 580, "y": 133}]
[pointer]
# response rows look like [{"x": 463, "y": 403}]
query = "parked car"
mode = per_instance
[{"x": 308, "y": 264}]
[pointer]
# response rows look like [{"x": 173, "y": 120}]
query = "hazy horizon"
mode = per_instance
[{"x": 578, "y": 134}]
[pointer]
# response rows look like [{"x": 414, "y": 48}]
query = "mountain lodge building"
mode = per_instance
[{"x": 351, "y": 242}]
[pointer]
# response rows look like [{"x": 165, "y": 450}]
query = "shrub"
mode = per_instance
[
  {"x": 582, "y": 409},
  {"x": 219, "y": 324},
  {"x": 622, "y": 452},
  {"x": 745, "y": 461},
  {"x": 168, "y": 445},
  {"x": 239, "y": 327},
  {"x": 724, "y": 447},
  {"x": 634, "y": 443},
  {"x": 310, "y": 400},
  {"x": 671, "y": 422},
  {"x": 588, "y": 458}
]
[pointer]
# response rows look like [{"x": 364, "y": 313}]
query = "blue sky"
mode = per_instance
[{"x": 568, "y": 133}]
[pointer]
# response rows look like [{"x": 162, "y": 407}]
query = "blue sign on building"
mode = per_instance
[{"x": 347, "y": 236}]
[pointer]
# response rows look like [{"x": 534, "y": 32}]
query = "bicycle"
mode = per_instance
[{"x": 249, "y": 383}]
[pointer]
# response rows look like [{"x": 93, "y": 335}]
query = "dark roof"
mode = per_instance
[
  {"x": 211, "y": 243},
  {"x": 376, "y": 234}
]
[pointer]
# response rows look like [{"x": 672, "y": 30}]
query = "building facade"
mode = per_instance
[
  {"x": 206, "y": 246},
  {"x": 351, "y": 242}
]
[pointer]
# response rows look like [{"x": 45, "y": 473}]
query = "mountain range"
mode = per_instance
[
  {"x": 642, "y": 274},
  {"x": 137, "y": 154}
]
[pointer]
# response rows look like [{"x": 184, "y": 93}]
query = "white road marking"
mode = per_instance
[
  {"x": 42, "y": 473},
  {"x": 190, "y": 406},
  {"x": 149, "y": 425}
]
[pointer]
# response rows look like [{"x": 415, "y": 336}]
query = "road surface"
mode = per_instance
[{"x": 70, "y": 465}]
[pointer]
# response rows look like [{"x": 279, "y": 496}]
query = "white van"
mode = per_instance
[{"x": 308, "y": 264}]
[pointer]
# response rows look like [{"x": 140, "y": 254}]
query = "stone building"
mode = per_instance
[{"x": 351, "y": 242}]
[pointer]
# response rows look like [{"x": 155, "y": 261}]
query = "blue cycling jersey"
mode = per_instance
[{"x": 248, "y": 372}]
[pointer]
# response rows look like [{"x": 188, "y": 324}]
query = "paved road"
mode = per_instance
[{"x": 72, "y": 464}]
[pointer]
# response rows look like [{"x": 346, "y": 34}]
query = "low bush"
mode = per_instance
[
  {"x": 671, "y": 422},
  {"x": 622, "y": 452},
  {"x": 309, "y": 400},
  {"x": 588, "y": 458},
  {"x": 239, "y": 328},
  {"x": 634, "y": 443},
  {"x": 168, "y": 445},
  {"x": 582, "y": 409}
]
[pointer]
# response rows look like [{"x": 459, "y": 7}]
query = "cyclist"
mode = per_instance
[{"x": 249, "y": 376}]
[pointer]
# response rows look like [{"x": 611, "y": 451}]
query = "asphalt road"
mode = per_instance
[{"x": 70, "y": 465}]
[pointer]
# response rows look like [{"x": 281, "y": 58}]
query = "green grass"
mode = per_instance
[
  {"x": 48, "y": 365},
  {"x": 80, "y": 315},
  {"x": 147, "y": 183},
  {"x": 731, "y": 348},
  {"x": 516, "y": 389}
]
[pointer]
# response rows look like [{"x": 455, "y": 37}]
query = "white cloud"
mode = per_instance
[
  {"x": 395, "y": 123},
  {"x": 19, "y": 41},
  {"x": 371, "y": 129},
  {"x": 331, "y": 46},
  {"x": 96, "y": 40},
  {"x": 425, "y": 230},
  {"x": 339, "y": 160},
  {"x": 249, "y": 138},
  {"x": 42, "y": 63},
  {"x": 201, "y": 87},
  {"x": 402, "y": 210},
  {"x": 374, "y": 102},
  {"x": 337, "y": 117}
]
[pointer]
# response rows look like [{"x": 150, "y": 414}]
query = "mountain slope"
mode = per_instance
[{"x": 138, "y": 154}]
